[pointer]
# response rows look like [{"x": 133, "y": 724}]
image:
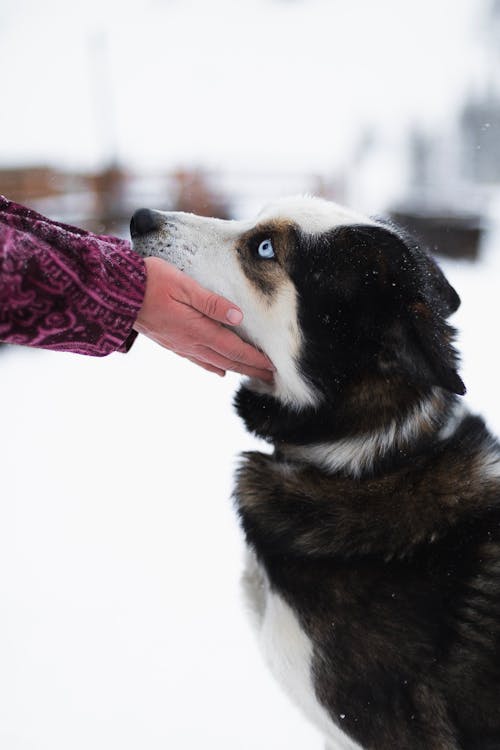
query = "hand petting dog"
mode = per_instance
[{"x": 182, "y": 316}]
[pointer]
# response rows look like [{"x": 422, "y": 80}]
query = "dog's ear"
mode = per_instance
[
  {"x": 425, "y": 345},
  {"x": 404, "y": 289},
  {"x": 419, "y": 345},
  {"x": 445, "y": 293},
  {"x": 435, "y": 338}
]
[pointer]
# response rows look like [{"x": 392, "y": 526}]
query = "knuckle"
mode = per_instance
[
  {"x": 211, "y": 305},
  {"x": 236, "y": 359}
]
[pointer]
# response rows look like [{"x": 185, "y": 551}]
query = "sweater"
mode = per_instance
[{"x": 66, "y": 289}]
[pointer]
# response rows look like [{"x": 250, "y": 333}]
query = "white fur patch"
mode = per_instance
[
  {"x": 458, "y": 414},
  {"x": 277, "y": 334},
  {"x": 313, "y": 215},
  {"x": 288, "y": 651},
  {"x": 358, "y": 454}
]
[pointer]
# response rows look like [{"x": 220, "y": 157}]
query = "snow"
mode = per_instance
[{"x": 120, "y": 556}]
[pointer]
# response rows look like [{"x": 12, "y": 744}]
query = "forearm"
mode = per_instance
[{"x": 63, "y": 288}]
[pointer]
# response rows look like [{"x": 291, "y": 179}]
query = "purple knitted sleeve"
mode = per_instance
[{"x": 64, "y": 288}]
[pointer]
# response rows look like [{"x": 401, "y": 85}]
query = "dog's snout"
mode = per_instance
[{"x": 144, "y": 221}]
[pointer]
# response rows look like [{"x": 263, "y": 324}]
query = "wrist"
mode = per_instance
[{"x": 149, "y": 283}]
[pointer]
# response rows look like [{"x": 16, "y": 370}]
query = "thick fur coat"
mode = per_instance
[{"x": 373, "y": 526}]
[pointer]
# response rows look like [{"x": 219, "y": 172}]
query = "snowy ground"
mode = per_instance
[{"x": 120, "y": 619}]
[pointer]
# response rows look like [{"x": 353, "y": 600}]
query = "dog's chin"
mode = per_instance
[
  {"x": 259, "y": 386},
  {"x": 244, "y": 334},
  {"x": 254, "y": 384}
]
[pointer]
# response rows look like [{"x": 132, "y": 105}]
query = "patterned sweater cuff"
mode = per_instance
[
  {"x": 123, "y": 261},
  {"x": 66, "y": 289}
]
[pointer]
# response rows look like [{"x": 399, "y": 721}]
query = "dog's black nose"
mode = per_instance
[{"x": 144, "y": 221}]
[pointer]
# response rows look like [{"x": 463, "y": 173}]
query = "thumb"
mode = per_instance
[{"x": 211, "y": 304}]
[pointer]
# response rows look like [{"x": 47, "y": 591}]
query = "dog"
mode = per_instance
[{"x": 373, "y": 528}]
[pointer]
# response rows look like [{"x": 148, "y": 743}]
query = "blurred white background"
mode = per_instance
[
  {"x": 120, "y": 618},
  {"x": 226, "y": 82}
]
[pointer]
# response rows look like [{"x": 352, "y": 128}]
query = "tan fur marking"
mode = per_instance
[{"x": 267, "y": 275}]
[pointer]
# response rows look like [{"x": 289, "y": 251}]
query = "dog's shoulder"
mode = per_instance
[{"x": 302, "y": 510}]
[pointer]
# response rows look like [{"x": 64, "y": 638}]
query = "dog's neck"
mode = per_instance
[
  {"x": 388, "y": 447},
  {"x": 367, "y": 431}
]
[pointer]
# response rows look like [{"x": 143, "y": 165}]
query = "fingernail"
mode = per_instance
[{"x": 234, "y": 316}]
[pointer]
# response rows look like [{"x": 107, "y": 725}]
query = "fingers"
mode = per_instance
[
  {"x": 209, "y": 303},
  {"x": 206, "y": 366},
  {"x": 217, "y": 360},
  {"x": 230, "y": 346}
]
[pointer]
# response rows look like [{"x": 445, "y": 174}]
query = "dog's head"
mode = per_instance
[{"x": 337, "y": 302}]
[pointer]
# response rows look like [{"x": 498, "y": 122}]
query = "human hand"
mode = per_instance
[{"x": 182, "y": 316}]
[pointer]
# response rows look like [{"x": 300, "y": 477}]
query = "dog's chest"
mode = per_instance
[{"x": 287, "y": 650}]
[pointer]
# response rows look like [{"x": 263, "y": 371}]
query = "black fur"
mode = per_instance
[
  {"x": 395, "y": 576},
  {"x": 372, "y": 310}
]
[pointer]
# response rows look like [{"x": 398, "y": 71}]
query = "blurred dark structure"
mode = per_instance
[
  {"x": 436, "y": 211},
  {"x": 109, "y": 189},
  {"x": 104, "y": 201},
  {"x": 31, "y": 183},
  {"x": 192, "y": 192},
  {"x": 452, "y": 235}
]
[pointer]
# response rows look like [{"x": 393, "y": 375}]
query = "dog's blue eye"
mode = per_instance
[{"x": 265, "y": 249}]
